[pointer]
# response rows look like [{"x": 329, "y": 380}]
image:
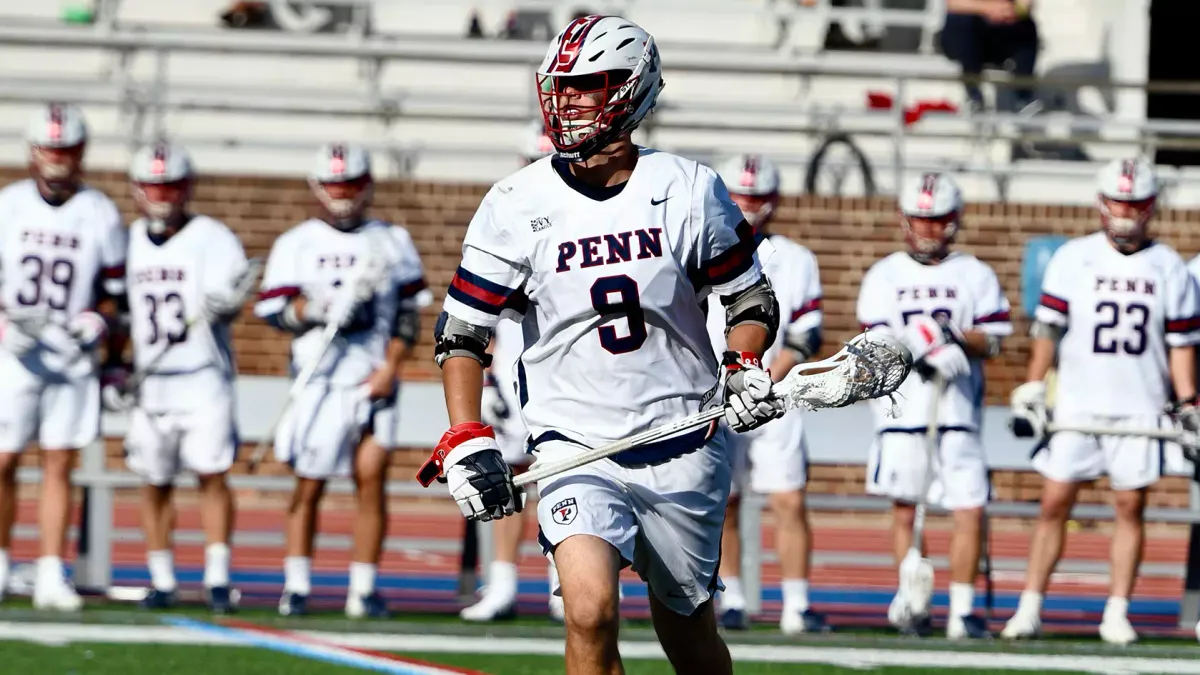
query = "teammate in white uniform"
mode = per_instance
[
  {"x": 608, "y": 250},
  {"x": 188, "y": 278},
  {"x": 500, "y": 411},
  {"x": 1122, "y": 312},
  {"x": 365, "y": 276},
  {"x": 949, "y": 307},
  {"x": 62, "y": 254},
  {"x": 772, "y": 460}
]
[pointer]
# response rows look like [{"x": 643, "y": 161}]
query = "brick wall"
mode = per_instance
[{"x": 847, "y": 235}]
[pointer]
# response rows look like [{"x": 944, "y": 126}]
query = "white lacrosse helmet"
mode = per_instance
[
  {"x": 753, "y": 182},
  {"x": 535, "y": 143},
  {"x": 161, "y": 176},
  {"x": 930, "y": 197},
  {"x": 1131, "y": 182},
  {"x": 52, "y": 129},
  {"x": 341, "y": 180},
  {"x": 606, "y": 57}
]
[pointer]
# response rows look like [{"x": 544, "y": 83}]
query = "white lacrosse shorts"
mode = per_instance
[
  {"x": 1130, "y": 462},
  {"x": 512, "y": 437},
  {"x": 664, "y": 519},
  {"x": 61, "y": 413},
  {"x": 161, "y": 445},
  {"x": 771, "y": 459},
  {"x": 320, "y": 434},
  {"x": 896, "y": 468}
]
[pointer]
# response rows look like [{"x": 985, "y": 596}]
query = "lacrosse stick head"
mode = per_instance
[
  {"x": 916, "y": 583},
  {"x": 871, "y": 365}
]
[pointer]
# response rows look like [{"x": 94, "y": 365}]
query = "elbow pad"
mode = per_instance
[
  {"x": 407, "y": 327},
  {"x": 455, "y": 337},
  {"x": 1041, "y": 329},
  {"x": 804, "y": 345},
  {"x": 993, "y": 346},
  {"x": 755, "y": 305}
]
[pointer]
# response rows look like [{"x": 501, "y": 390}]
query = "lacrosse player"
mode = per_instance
[
  {"x": 776, "y": 454},
  {"x": 364, "y": 276},
  {"x": 62, "y": 253},
  {"x": 949, "y": 309},
  {"x": 1121, "y": 312},
  {"x": 608, "y": 250},
  {"x": 499, "y": 409},
  {"x": 188, "y": 278}
]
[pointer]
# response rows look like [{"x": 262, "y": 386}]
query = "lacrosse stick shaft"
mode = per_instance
[
  {"x": 1161, "y": 434},
  {"x": 931, "y": 448},
  {"x": 327, "y": 337}
]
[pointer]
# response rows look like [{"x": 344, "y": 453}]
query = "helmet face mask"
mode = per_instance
[
  {"x": 758, "y": 209},
  {"x": 56, "y": 169},
  {"x": 931, "y": 208},
  {"x": 1127, "y": 223},
  {"x": 344, "y": 202},
  {"x": 929, "y": 238},
  {"x": 583, "y": 108},
  {"x": 57, "y": 137},
  {"x": 161, "y": 178}
]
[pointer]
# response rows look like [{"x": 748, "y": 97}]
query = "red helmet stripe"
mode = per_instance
[
  {"x": 56, "y": 122},
  {"x": 928, "y": 188},
  {"x": 337, "y": 160},
  {"x": 1126, "y": 181},
  {"x": 750, "y": 171},
  {"x": 572, "y": 42}
]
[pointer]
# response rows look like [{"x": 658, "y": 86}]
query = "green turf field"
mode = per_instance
[{"x": 107, "y": 659}]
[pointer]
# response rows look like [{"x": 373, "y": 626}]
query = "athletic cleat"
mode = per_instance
[
  {"x": 968, "y": 627},
  {"x": 808, "y": 621},
  {"x": 293, "y": 604},
  {"x": 1116, "y": 630},
  {"x": 1022, "y": 627},
  {"x": 371, "y": 606},
  {"x": 58, "y": 596},
  {"x": 221, "y": 600},
  {"x": 921, "y": 626},
  {"x": 734, "y": 619},
  {"x": 156, "y": 599},
  {"x": 491, "y": 607},
  {"x": 558, "y": 612}
]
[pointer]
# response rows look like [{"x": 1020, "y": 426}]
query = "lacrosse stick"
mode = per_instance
[
  {"x": 916, "y": 571},
  {"x": 871, "y": 365},
  {"x": 241, "y": 286}
]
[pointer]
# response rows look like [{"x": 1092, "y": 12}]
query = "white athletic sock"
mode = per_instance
[
  {"x": 216, "y": 565},
  {"x": 732, "y": 597},
  {"x": 795, "y": 595},
  {"x": 1030, "y": 603},
  {"x": 502, "y": 580},
  {"x": 50, "y": 570},
  {"x": 297, "y": 574},
  {"x": 552, "y": 573},
  {"x": 962, "y": 599},
  {"x": 362, "y": 578},
  {"x": 162, "y": 570},
  {"x": 4, "y": 569},
  {"x": 1116, "y": 607}
]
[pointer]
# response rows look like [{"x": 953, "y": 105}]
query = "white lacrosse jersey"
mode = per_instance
[
  {"x": 188, "y": 365},
  {"x": 508, "y": 342},
  {"x": 1122, "y": 314},
  {"x": 796, "y": 281},
  {"x": 319, "y": 261},
  {"x": 610, "y": 282},
  {"x": 962, "y": 289},
  {"x": 59, "y": 257}
]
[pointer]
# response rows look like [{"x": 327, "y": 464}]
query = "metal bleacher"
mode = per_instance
[{"x": 398, "y": 76}]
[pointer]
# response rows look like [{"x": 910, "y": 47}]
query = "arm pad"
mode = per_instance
[
  {"x": 804, "y": 345},
  {"x": 407, "y": 326},
  {"x": 1041, "y": 329},
  {"x": 454, "y": 337},
  {"x": 755, "y": 305},
  {"x": 993, "y": 346}
]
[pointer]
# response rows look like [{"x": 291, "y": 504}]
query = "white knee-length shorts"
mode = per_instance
[
  {"x": 960, "y": 474},
  {"x": 1130, "y": 462},
  {"x": 320, "y": 434}
]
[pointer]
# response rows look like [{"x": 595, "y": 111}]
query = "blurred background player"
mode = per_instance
[
  {"x": 1122, "y": 313},
  {"x": 949, "y": 307},
  {"x": 189, "y": 278},
  {"x": 773, "y": 458},
  {"x": 622, "y": 347},
  {"x": 363, "y": 275},
  {"x": 501, "y": 410},
  {"x": 62, "y": 251}
]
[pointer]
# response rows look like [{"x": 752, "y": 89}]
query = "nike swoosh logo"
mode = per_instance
[{"x": 656, "y": 202}]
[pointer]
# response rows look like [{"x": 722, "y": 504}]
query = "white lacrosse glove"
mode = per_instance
[
  {"x": 923, "y": 334},
  {"x": 115, "y": 395},
  {"x": 749, "y": 402},
  {"x": 87, "y": 329},
  {"x": 223, "y": 306},
  {"x": 949, "y": 360},
  {"x": 468, "y": 459},
  {"x": 493, "y": 409},
  {"x": 1029, "y": 415},
  {"x": 13, "y": 336}
]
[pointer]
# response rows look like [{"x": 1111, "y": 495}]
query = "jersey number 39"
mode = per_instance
[{"x": 619, "y": 295}]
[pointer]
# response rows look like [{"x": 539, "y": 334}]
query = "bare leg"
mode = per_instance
[
  {"x": 370, "y": 469},
  {"x": 966, "y": 545},
  {"x": 1127, "y": 541},
  {"x": 157, "y": 516},
  {"x": 692, "y": 643},
  {"x": 8, "y": 497},
  {"x": 588, "y": 568},
  {"x": 903, "y": 515},
  {"x": 216, "y": 508},
  {"x": 55, "y": 508},
  {"x": 793, "y": 541},
  {"x": 302, "y": 516},
  {"x": 1046, "y": 547}
]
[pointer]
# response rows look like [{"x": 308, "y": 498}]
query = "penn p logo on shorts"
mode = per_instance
[{"x": 565, "y": 511}]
